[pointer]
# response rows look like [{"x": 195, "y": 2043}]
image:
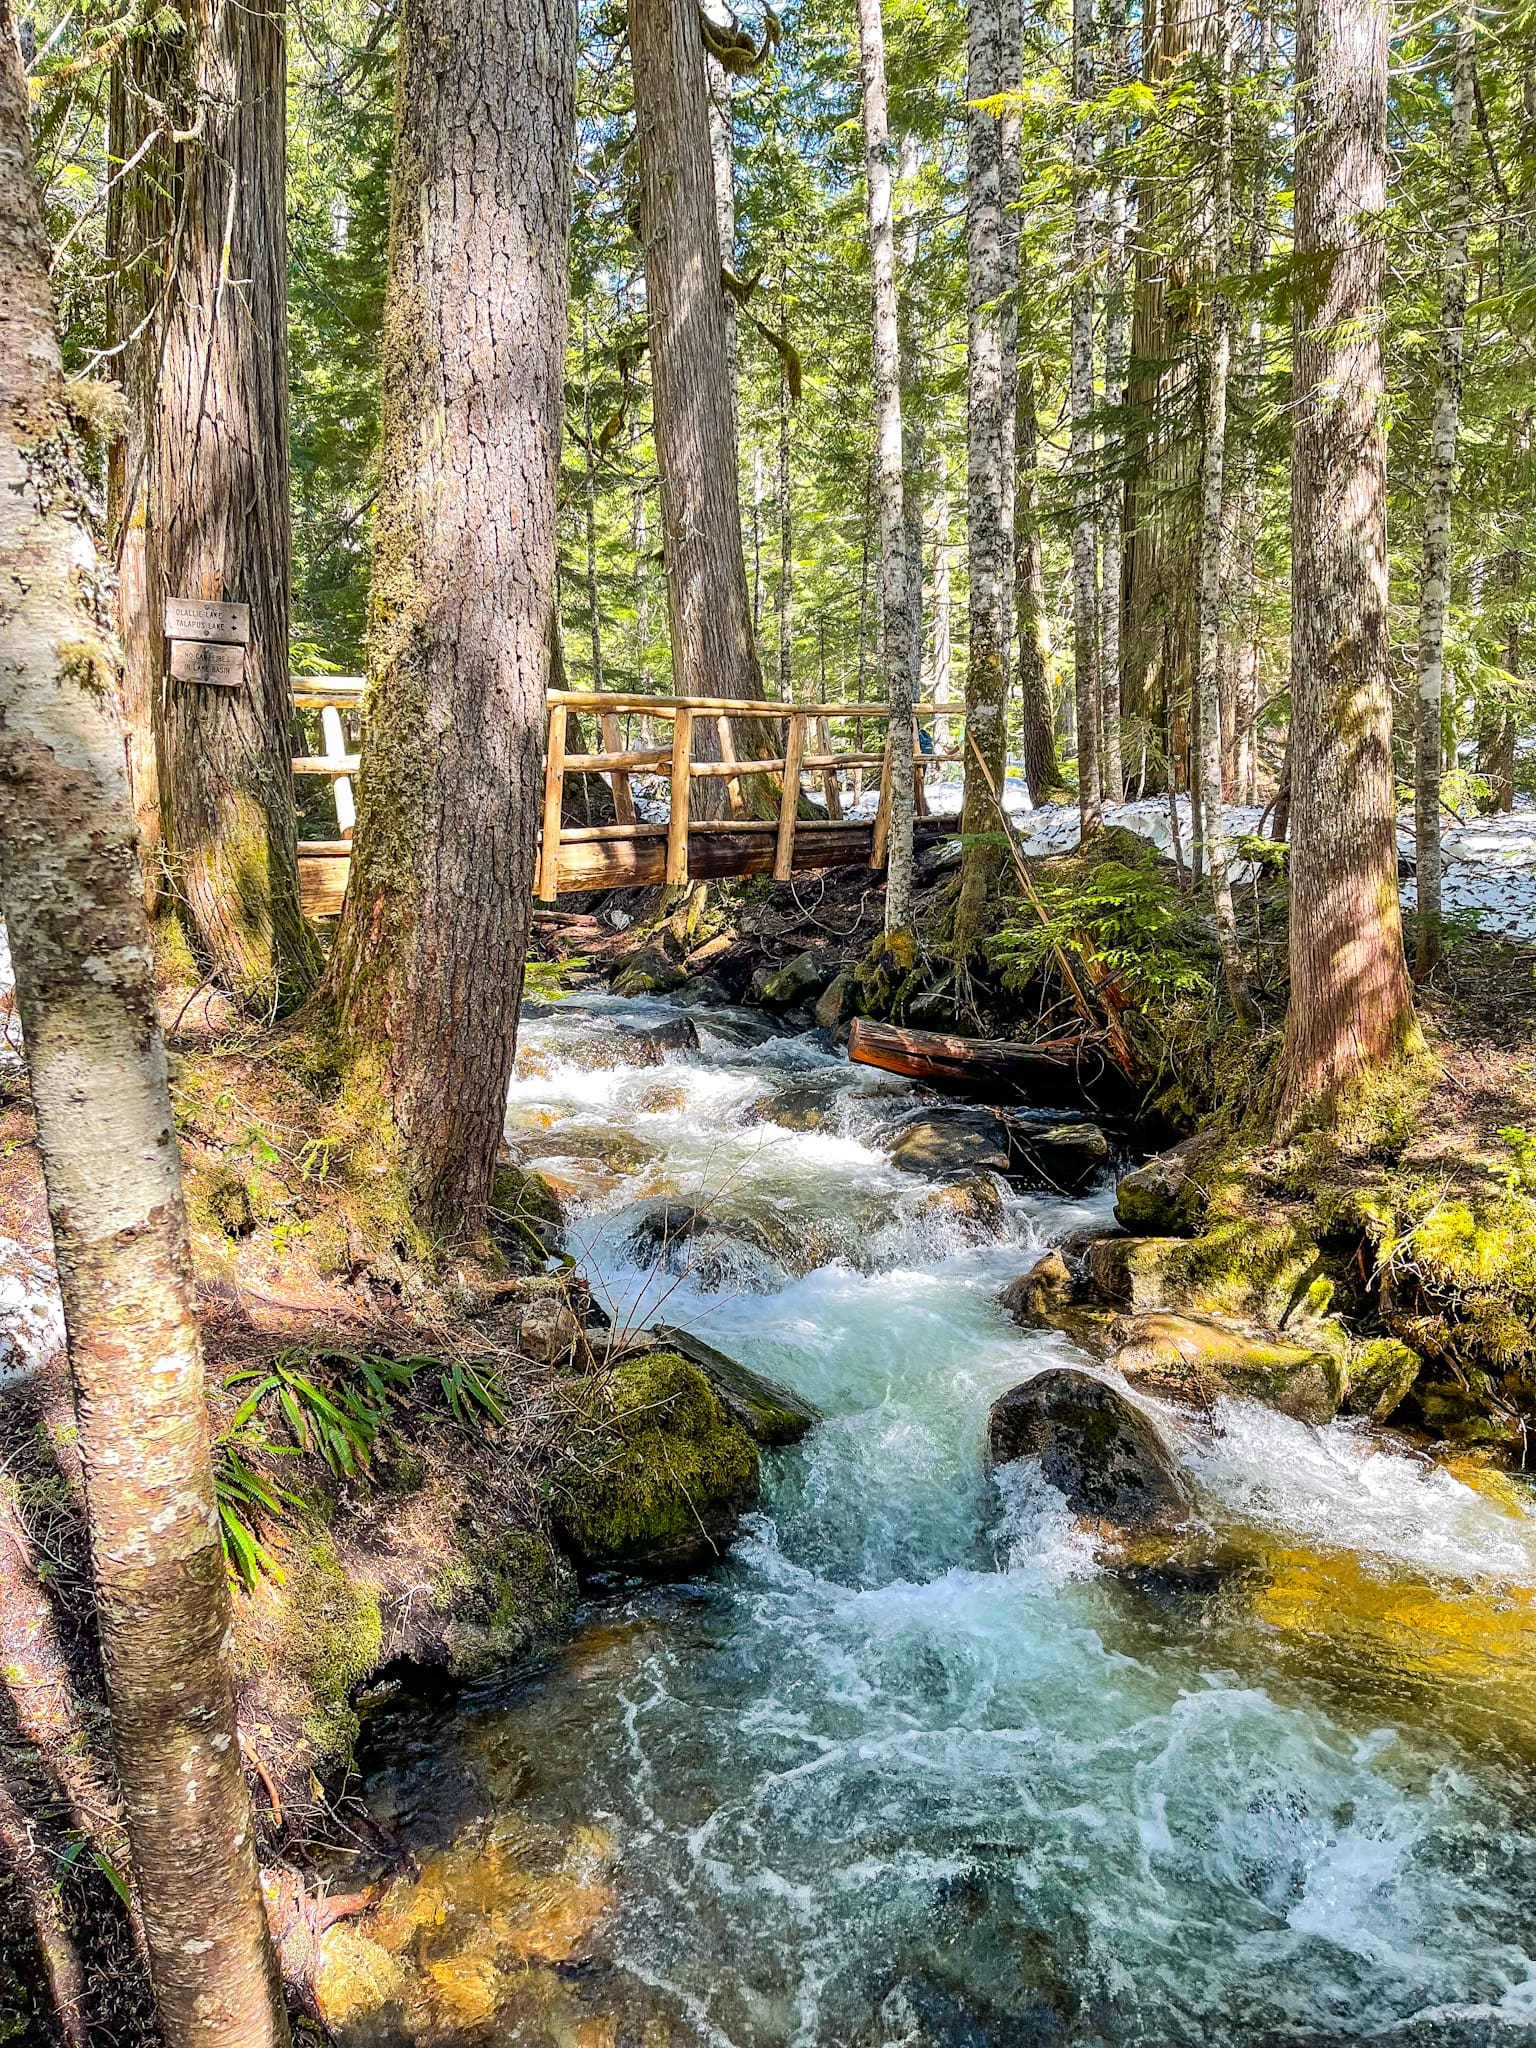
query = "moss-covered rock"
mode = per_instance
[
  {"x": 509, "y": 1591},
  {"x": 1098, "y": 1449},
  {"x": 657, "y": 1478},
  {"x": 1165, "y": 1196},
  {"x": 770, "y": 1414},
  {"x": 1381, "y": 1375},
  {"x": 1200, "y": 1358},
  {"x": 310, "y": 1639},
  {"x": 1270, "y": 1270},
  {"x": 1036, "y": 1299}
]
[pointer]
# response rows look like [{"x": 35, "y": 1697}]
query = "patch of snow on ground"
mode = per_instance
[{"x": 31, "y": 1313}]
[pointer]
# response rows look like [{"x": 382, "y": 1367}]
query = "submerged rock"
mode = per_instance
[
  {"x": 1200, "y": 1358},
  {"x": 973, "y": 1205},
  {"x": 656, "y": 1481},
  {"x": 769, "y": 1413},
  {"x": 1096, "y": 1447},
  {"x": 714, "y": 1251}
]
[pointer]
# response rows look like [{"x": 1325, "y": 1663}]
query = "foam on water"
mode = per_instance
[{"x": 919, "y": 1767}]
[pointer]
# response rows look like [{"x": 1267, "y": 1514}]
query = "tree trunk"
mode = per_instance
[
  {"x": 1042, "y": 771},
  {"x": 914, "y": 476},
  {"x": 216, "y": 498},
  {"x": 429, "y": 958},
  {"x": 1213, "y": 539},
  {"x": 1435, "y": 589},
  {"x": 898, "y": 620},
  {"x": 1351, "y": 1004},
  {"x": 786, "y": 589},
  {"x": 713, "y": 654},
  {"x": 74, "y": 910},
  {"x": 722, "y": 151},
  {"x": 988, "y": 426},
  {"x": 940, "y": 680},
  {"x": 1116, "y": 358},
  {"x": 589, "y": 506},
  {"x": 1085, "y": 567}
]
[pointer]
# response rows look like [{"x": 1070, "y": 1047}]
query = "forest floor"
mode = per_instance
[{"x": 421, "y": 1531}]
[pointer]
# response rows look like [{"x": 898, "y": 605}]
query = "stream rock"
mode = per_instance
[
  {"x": 770, "y": 1414},
  {"x": 1200, "y": 1358},
  {"x": 714, "y": 1251},
  {"x": 1096, "y": 1447},
  {"x": 659, "y": 1475},
  {"x": 1040, "y": 1296},
  {"x": 652, "y": 972},
  {"x": 943, "y": 1147},
  {"x": 1063, "y": 1158},
  {"x": 799, "y": 981},
  {"x": 1382, "y": 1373},
  {"x": 1164, "y": 1197},
  {"x": 974, "y": 1206},
  {"x": 834, "y": 1006}
]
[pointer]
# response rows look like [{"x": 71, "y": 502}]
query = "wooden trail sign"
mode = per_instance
[
  {"x": 204, "y": 661},
  {"x": 198, "y": 618}
]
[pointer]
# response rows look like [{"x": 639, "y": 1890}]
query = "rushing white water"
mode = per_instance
[{"x": 917, "y": 1766}]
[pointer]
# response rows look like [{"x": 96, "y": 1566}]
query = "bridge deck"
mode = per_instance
[{"x": 635, "y": 853}]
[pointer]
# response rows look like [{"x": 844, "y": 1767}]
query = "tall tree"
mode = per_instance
[
  {"x": 913, "y": 435},
  {"x": 205, "y": 222},
  {"x": 1042, "y": 771},
  {"x": 1213, "y": 533},
  {"x": 713, "y": 654},
  {"x": 1117, "y": 323},
  {"x": 989, "y": 425},
  {"x": 1351, "y": 1005},
  {"x": 72, "y": 899},
  {"x": 429, "y": 958},
  {"x": 1435, "y": 586},
  {"x": 1085, "y": 495},
  {"x": 897, "y": 622}
]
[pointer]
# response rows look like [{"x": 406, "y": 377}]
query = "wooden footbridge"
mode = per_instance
[{"x": 690, "y": 843}]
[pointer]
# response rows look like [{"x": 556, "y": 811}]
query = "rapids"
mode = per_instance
[{"x": 916, "y": 1766}]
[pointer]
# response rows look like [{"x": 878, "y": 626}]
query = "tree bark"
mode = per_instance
[
  {"x": 589, "y": 506},
  {"x": 1351, "y": 1005},
  {"x": 1037, "y": 729},
  {"x": 1218, "y": 356},
  {"x": 1116, "y": 361},
  {"x": 212, "y": 378},
  {"x": 897, "y": 619},
  {"x": 939, "y": 657},
  {"x": 785, "y": 594},
  {"x": 73, "y": 904},
  {"x": 913, "y": 449},
  {"x": 988, "y": 425},
  {"x": 1085, "y": 566},
  {"x": 1435, "y": 588},
  {"x": 722, "y": 150},
  {"x": 429, "y": 959},
  {"x": 713, "y": 654}
]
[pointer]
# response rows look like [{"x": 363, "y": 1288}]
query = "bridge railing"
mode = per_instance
[{"x": 633, "y": 851}]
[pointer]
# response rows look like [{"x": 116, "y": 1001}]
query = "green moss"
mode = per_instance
[
  {"x": 330, "y": 1638},
  {"x": 513, "y": 1590},
  {"x": 230, "y": 1201},
  {"x": 659, "y": 1473},
  {"x": 1381, "y": 1374}
]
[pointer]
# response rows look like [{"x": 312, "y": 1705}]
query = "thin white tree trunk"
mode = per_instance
[
  {"x": 913, "y": 449},
  {"x": 1117, "y": 333},
  {"x": 897, "y": 619},
  {"x": 939, "y": 655},
  {"x": 1438, "y": 488},
  {"x": 72, "y": 898},
  {"x": 1085, "y": 567},
  {"x": 1212, "y": 537}
]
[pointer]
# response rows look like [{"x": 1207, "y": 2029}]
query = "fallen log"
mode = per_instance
[{"x": 1059, "y": 1073}]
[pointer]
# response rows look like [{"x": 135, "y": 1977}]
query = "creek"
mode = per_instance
[{"x": 918, "y": 1767}]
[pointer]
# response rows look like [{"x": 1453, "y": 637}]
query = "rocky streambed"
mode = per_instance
[{"x": 948, "y": 1747}]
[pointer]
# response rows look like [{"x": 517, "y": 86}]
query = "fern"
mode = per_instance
[{"x": 1128, "y": 916}]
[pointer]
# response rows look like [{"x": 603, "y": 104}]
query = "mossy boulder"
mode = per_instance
[
  {"x": 1268, "y": 1271},
  {"x": 1381, "y": 1376},
  {"x": 770, "y": 1414},
  {"x": 310, "y": 1638},
  {"x": 652, "y": 972},
  {"x": 511, "y": 1590},
  {"x": 527, "y": 1217},
  {"x": 947, "y": 1143},
  {"x": 834, "y": 1006},
  {"x": 1164, "y": 1197},
  {"x": 1200, "y": 1358},
  {"x": 1096, "y": 1447},
  {"x": 799, "y": 981},
  {"x": 657, "y": 1478},
  {"x": 1037, "y": 1298}
]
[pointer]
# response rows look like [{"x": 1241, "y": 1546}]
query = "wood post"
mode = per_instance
[
  {"x": 728, "y": 755},
  {"x": 789, "y": 797},
  {"x": 829, "y": 775},
  {"x": 882, "y": 831},
  {"x": 682, "y": 789},
  {"x": 554, "y": 792},
  {"x": 334, "y": 739},
  {"x": 623, "y": 794}
]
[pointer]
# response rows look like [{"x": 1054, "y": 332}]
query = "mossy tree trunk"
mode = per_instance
[
  {"x": 204, "y": 248},
  {"x": 897, "y": 620},
  {"x": 429, "y": 958},
  {"x": 73, "y": 905},
  {"x": 1085, "y": 496},
  {"x": 989, "y": 427},
  {"x": 1351, "y": 1005}
]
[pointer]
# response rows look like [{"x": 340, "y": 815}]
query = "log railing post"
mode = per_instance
[
  {"x": 882, "y": 832},
  {"x": 789, "y": 797},
  {"x": 623, "y": 793},
  {"x": 554, "y": 792},
  {"x": 682, "y": 785},
  {"x": 728, "y": 754},
  {"x": 829, "y": 775}
]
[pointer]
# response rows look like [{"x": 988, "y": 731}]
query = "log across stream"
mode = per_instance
[{"x": 921, "y": 1765}]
